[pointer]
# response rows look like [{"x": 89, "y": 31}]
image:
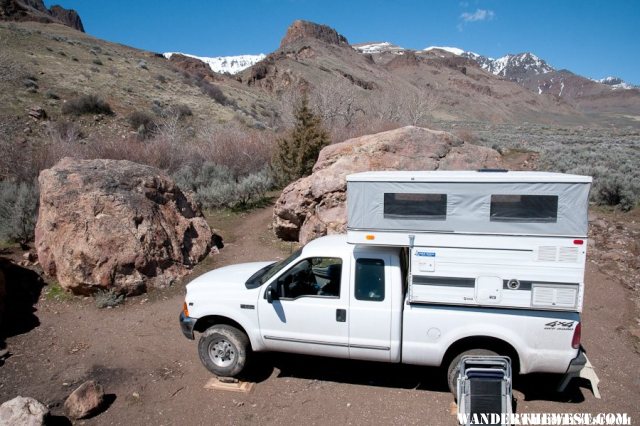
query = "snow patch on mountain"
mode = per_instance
[
  {"x": 222, "y": 64},
  {"x": 615, "y": 83},
  {"x": 454, "y": 50},
  {"x": 380, "y": 47}
]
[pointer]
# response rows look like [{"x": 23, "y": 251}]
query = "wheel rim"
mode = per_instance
[{"x": 222, "y": 353}]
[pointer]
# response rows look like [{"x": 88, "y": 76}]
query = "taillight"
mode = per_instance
[{"x": 575, "y": 342}]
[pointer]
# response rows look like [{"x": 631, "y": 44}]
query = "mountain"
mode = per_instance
[
  {"x": 35, "y": 10},
  {"x": 224, "y": 64}
]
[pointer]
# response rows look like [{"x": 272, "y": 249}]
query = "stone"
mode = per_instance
[
  {"x": 85, "y": 401},
  {"x": 316, "y": 205},
  {"x": 37, "y": 113},
  {"x": 108, "y": 224},
  {"x": 23, "y": 411}
]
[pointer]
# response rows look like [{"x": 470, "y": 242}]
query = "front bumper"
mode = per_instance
[{"x": 186, "y": 325}]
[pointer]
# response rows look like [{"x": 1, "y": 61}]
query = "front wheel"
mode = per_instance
[
  {"x": 454, "y": 366},
  {"x": 224, "y": 349}
]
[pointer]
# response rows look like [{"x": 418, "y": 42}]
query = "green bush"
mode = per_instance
[
  {"x": 18, "y": 211},
  {"x": 295, "y": 156},
  {"x": 87, "y": 104}
]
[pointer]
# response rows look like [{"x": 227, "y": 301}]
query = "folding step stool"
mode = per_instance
[{"x": 484, "y": 387}]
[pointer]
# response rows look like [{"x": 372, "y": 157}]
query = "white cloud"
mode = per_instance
[{"x": 478, "y": 15}]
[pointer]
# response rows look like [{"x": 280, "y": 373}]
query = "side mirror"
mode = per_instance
[{"x": 271, "y": 294}]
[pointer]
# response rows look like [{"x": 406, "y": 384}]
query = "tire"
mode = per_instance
[
  {"x": 224, "y": 350},
  {"x": 453, "y": 370}
]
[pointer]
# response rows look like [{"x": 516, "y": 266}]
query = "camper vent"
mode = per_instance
[
  {"x": 554, "y": 296},
  {"x": 568, "y": 254},
  {"x": 546, "y": 254}
]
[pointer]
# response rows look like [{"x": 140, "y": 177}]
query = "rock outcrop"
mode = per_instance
[
  {"x": 194, "y": 66},
  {"x": 68, "y": 17},
  {"x": 35, "y": 10},
  {"x": 316, "y": 205},
  {"x": 107, "y": 224},
  {"x": 85, "y": 401},
  {"x": 23, "y": 411},
  {"x": 301, "y": 30}
]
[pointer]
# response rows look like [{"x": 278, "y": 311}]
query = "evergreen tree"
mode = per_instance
[{"x": 295, "y": 155}]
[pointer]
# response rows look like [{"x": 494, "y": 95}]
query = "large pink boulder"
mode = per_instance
[
  {"x": 316, "y": 205},
  {"x": 107, "y": 224}
]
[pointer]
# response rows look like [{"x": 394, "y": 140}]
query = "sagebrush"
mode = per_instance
[{"x": 18, "y": 211}]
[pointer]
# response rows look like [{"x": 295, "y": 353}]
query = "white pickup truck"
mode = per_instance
[{"x": 435, "y": 265}]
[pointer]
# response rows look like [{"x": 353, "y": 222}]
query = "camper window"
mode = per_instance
[
  {"x": 524, "y": 208},
  {"x": 415, "y": 206}
]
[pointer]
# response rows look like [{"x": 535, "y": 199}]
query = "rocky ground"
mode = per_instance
[{"x": 151, "y": 373}]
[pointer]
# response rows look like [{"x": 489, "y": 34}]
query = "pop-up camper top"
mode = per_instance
[{"x": 484, "y": 238}]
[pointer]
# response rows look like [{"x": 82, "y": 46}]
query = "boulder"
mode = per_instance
[
  {"x": 316, "y": 205},
  {"x": 107, "y": 224},
  {"x": 23, "y": 411},
  {"x": 85, "y": 401}
]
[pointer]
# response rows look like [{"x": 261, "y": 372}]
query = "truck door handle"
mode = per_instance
[{"x": 341, "y": 315}]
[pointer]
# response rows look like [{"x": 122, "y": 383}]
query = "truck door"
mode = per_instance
[
  {"x": 309, "y": 313},
  {"x": 370, "y": 307}
]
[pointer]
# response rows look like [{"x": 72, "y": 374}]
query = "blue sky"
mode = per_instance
[{"x": 591, "y": 38}]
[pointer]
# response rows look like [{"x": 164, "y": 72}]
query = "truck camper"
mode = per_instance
[{"x": 434, "y": 266}]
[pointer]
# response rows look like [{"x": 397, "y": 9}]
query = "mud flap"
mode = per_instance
[{"x": 581, "y": 367}]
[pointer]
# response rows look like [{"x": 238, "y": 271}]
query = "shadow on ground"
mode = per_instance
[
  {"x": 398, "y": 376},
  {"x": 23, "y": 287}
]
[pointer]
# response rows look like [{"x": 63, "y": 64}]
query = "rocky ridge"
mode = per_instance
[{"x": 35, "y": 10}]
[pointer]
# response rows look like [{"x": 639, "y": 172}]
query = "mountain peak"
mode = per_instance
[{"x": 301, "y": 30}]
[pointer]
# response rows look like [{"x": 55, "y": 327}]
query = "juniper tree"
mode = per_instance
[{"x": 295, "y": 155}]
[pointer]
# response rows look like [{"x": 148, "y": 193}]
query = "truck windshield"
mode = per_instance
[{"x": 264, "y": 274}]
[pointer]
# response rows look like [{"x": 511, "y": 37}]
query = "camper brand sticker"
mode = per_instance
[
  {"x": 559, "y": 325},
  {"x": 425, "y": 254}
]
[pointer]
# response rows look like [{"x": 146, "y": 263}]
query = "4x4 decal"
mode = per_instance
[{"x": 559, "y": 325}]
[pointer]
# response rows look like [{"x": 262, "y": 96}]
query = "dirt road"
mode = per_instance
[{"x": 153, "y": 374}]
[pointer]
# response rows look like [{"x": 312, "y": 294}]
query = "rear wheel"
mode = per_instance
[
  {"x": 224, "y": 350},
  {"x": 454, "y": 366}
]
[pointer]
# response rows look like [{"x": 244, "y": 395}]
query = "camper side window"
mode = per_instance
[
  {"x": 524, "y": 208},
  {"x": 415, "y": 206}
]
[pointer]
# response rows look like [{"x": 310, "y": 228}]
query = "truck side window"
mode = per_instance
[
  {"x": 315, "y": 276},
  {"x": 369, "y": 283}
]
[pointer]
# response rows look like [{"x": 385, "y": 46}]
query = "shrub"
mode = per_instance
[
  {"x": 87, "y": 104},
  {"x": 215, "y": 186},
  {"x": 107, "y": 298},
  {"x": 97, "y": 61},
  {"x": 295, "y": 155},
  {"x": 212, "y": 91},
  {"x": 142, "y": 123},
  {"x": 51, "y": 95},
  {"x": 614, "y": 191},
  {"x": 143, "y": 64},
  {"x": 18, "y": 210}
]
